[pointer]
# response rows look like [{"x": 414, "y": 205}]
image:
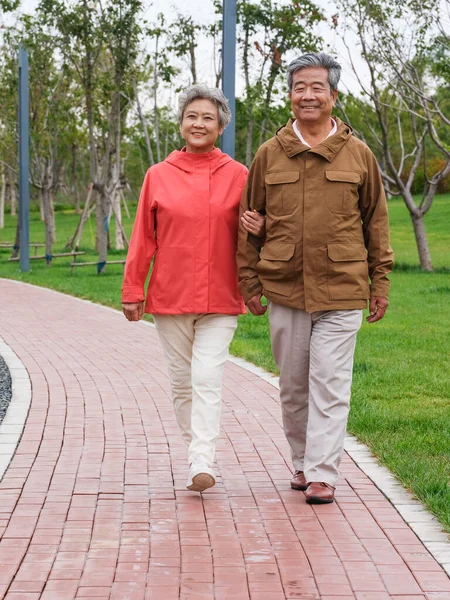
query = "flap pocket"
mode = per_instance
[
  {"x": 346, "y": 252},
  {"x": 278, "y": 252},
  {"x": 283, "y": 177},
  {"x": 344, "y": 176}
]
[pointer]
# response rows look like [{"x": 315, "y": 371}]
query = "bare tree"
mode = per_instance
[{"x": 401, "y": 91}]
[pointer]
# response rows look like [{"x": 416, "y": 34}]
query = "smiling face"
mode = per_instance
[
  {"x": 311, "y": 98},
  {"x": 200, "y": 125}
]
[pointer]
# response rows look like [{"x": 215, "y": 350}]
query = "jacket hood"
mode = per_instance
[
  {"x": 288, "y": 139},
  {"x": 190, "y": 162}
]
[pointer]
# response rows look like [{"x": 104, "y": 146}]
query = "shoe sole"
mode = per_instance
[
  {"x": 316, "y": 500},
  {"x": 201, "y": 482},
  {"x": 300, "y": 488}
]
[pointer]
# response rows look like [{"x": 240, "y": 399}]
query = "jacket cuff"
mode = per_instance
[
  {"x": 251, "y": 290},
  {"x": 132, "y": 293},
  {"x": 379, "y": 290}
]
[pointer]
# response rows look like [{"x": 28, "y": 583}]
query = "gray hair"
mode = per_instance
[
  {"x": 200, "y": 90},
  {"x": 316, "y": 59}
]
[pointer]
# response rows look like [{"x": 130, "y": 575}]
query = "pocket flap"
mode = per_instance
[
  {"x": 346, "y": 252},
  {"x": 344, "y": 176},
  {"x": 278, "y": 251},
  {"x": 283, "y": 177}
]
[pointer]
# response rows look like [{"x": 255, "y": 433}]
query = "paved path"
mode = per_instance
[{"x": 94, "y": 506}]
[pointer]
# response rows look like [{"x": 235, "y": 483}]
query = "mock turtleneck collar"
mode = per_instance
[{"x": 190, "y": 162}]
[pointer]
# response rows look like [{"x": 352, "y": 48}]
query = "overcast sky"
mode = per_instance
[{"x": 203, "y": 12}]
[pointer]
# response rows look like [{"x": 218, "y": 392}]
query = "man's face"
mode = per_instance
[{"x": 311, "y": 98}]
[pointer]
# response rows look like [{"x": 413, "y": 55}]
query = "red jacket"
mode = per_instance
[{"x": 187, "y": 218}]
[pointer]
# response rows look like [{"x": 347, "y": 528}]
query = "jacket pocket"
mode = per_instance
[
  {"x": 282, "y": 193},
  {"x": 347, "y": 272},
  {"x": 341, "y": 191},
  {"x": 276, "y": 268}
]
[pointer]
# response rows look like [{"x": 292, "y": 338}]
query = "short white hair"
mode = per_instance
[
  {"x": 315, "y": 59},
  {"x": 215, "y": 95}
]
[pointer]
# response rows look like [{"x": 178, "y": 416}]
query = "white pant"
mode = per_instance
[
  {"x": 196, "y": 349},
  {"x": 314, "y": 352}
]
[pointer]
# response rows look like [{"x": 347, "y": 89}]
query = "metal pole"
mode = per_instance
[
  {"x": 229, "y": 72},
  {"x": 24, "y": 162}
]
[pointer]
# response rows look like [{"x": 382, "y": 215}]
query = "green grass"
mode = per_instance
[{"x": 401, "y": 389}]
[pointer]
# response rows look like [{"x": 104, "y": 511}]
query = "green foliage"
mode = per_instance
[
  {"x": 270, "y": 33},
  {"x": 9, "y": 5}
]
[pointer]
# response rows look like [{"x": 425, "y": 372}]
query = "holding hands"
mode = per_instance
[{"x": 254, "y": 223}]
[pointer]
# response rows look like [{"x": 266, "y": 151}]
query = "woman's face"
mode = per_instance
[{"x": 200, "y": 125}]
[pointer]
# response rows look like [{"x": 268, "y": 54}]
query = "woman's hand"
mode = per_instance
[
  {"x": 254, "y": 223},
  {"x": 133, "y": 310}
]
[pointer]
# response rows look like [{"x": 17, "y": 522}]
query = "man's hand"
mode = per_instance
[
  {"x": 133, "y": 310},
  {"x": 255, "y": 306},
  {"x": 254, "y": 223},
  {"x": 378, "y": 307}
]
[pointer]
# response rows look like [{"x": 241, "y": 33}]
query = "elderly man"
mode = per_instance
[{"x": 327, "y": 235}]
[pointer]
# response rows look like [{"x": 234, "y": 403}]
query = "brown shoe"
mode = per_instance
[
  {"x": 298, "y": 482},
  {"x": 319, "y": 493}
]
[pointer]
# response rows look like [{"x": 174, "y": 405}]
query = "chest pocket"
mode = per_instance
[
  {"x": 341, "y": 191},
  {"x": 282, "y": 192}
]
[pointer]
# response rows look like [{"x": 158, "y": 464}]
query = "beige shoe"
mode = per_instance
[{"x": 201, "y": 477}]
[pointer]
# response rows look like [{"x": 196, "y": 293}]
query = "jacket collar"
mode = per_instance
[
  {"x": 189, "y": 162},
  {"x": 288, "y": 139}
]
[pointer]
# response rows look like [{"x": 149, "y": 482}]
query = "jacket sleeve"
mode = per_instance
[
  {"x": 249, "y": 246},
  {"x": 142, "y": 247},
  {"x": 375, "y": 223}
]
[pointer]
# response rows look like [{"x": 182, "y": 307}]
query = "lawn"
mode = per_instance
[{"x": 401, "y": 389}]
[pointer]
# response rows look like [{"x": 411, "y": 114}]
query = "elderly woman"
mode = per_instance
[{"x": 187, "y": 219}]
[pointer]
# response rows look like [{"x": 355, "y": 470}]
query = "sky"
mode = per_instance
[{"x": 203, "y": 13}]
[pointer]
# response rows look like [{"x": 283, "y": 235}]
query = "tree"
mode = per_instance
[
  {"x": 401, "y": 89},
  {"x": 101, "y": 42},
  {"x": 269, "y": 33},
  {"x": 183, "y": 41},
  {"x": 8, "y": 117}
]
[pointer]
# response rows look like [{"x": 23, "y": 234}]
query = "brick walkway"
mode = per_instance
[{"x": 94, "y": 506}]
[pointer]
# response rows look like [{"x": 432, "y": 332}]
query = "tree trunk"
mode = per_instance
[
  {"x": 51, "y": 197},
  {"x": 74, "y": 242},
  {"x": 249, "y": 144},
  {"x": 2, "y": 199},
  {"x": 16, "y": 248},
  {"x": 13, "y": 195},
  {"x": 75, "y": 179},
  {"x": 102, "y": 215},
  {"x": 422, "y": 242},
  {"x": 155, "y": 102},
  {"x": 46, "y": 203},
  {"x": 118, "y": 215},
  {"x": 41, "y": 209},
  {"x": 144, "y": 125}
]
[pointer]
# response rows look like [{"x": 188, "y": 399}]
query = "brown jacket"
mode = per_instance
[{"x": 327, "y": 226}]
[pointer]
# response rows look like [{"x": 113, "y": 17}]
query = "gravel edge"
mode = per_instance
[{"x": 5, "y": 388}]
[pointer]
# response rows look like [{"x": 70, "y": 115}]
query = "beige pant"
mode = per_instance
[
  {"x": 196, "y": 349},
  {"x": 314, "y": 352}
]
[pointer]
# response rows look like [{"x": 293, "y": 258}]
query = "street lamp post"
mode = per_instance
[
  {"x": 229, "y": 72},
  {"x": 24, "y": 162}
]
